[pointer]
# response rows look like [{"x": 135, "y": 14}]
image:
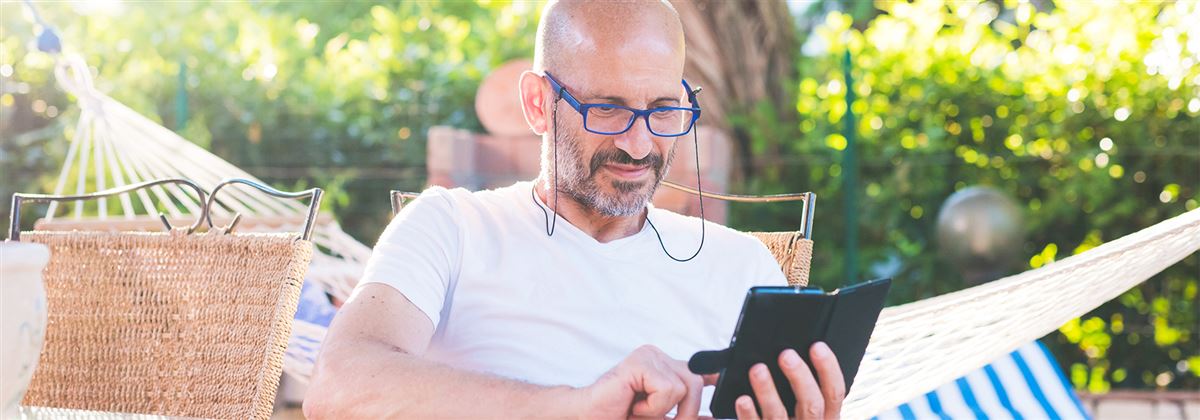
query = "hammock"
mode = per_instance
[
  {"x": 915, "y": 348},
  {"x": 921, "y": 345},
  {"x": 118, "y": 146},
  {"x": 1025, "y": 384}
]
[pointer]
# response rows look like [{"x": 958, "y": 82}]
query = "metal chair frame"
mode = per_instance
[{"x": 398, "y": 198}]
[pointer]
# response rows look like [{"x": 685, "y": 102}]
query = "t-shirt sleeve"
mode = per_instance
[{"x": 418, "y": 253}]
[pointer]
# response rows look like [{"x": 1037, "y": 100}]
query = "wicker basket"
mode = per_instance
[{"x": 169, "y": 324}]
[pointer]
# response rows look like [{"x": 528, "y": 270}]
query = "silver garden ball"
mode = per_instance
[{"x": 979, "y": 232}]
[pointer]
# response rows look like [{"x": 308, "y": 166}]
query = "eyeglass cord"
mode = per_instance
[{"x": 551, "y": 221}]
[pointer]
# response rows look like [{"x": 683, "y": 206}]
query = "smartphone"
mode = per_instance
[{"x": 777, "y": 318}]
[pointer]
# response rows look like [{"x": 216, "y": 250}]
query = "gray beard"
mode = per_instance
[{"x": 577, "y": 179}]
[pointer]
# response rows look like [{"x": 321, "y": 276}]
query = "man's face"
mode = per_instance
[
  {"x": 616, "y": 175},
  {"x": 608, "y": 180}
]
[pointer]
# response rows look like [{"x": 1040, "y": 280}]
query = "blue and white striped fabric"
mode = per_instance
[
  {"x": 1026, "y": 384},
  {"x": 314, "y": 307},
  {"x": 314, "y": 313}
]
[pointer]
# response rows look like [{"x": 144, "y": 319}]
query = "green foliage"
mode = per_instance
[
  {"x": 341, "y": 94},
  {"x": 1087, "y": 114},
  {"x": 311, "y": 93}
]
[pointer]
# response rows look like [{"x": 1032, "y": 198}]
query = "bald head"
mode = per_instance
[
  {"x": 577, "y": 33},
  {"x": 624, "y": 53}
]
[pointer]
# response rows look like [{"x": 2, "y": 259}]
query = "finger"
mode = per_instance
[
  {"x": 765, "y": 393},
  {"x": 744, "y": 406},
  {"x": 833, "y": 384},
  {"x": 810, "y": 404},
  {"x": 663, "y": 391},
  {"x": 711, "y": 379},
  {"x": 689, "y": 406}
]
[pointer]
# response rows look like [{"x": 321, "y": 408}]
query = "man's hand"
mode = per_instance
[
  {"x": 813, "y": 400},
  {"x": 648, "y": 383}
]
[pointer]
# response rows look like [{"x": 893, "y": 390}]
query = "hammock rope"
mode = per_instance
[
  {"x": 113, "y": 143},
  {"x": 921, "y": 345},
  {"x": 916, "y": 347}
]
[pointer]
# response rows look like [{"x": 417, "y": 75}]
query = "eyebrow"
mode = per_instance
[{"x": 621, "y": 101}]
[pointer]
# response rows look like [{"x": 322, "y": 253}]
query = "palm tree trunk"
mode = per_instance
[{"x": 743, "y": 54}]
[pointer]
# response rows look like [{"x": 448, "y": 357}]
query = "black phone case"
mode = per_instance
[{"x": 778, "y": 318}]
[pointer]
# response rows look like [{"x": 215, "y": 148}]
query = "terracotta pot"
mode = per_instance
[{"x": 22, "y": 319}]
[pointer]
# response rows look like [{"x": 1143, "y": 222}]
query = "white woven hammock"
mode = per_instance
[
  {"x": 915, "y": 348},
  {"x": 921, "y": 345},
  {"x": 113, "y": 146}
]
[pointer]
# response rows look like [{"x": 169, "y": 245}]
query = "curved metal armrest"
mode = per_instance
[
  {"x": 14, "y": 221},
  {"x": 314, "y": 203},
  {"x": 398, "y": 199},
  {"x": 806, "y": 215}
]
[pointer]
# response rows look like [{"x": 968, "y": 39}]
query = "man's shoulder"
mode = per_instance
[
  {"x": 684, "y": 226},
  {"x": 724, "y": 248}
]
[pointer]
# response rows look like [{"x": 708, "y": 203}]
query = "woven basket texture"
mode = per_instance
[{"x": 167, "y": 323}]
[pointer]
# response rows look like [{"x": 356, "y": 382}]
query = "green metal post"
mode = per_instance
[
  {"x": 181, "y": 98},
  {"x": 850, "y": 174}
]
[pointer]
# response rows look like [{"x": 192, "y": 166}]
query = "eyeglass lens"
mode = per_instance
[{"x": 614, "y": 120}]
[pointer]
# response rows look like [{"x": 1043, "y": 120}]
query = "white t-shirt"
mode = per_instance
[{"x": 507, "y": 299}]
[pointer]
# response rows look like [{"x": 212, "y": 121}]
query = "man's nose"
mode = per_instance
[{"x": 637, "y": 142}]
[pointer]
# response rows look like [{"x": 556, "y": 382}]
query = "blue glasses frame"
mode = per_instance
[{"x": 643, "y": 114}]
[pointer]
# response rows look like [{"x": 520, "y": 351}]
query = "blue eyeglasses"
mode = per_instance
[{"x": 611, "y": 119}]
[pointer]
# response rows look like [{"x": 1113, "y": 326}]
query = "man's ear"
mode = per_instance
[{"x": 534, "y": 92}]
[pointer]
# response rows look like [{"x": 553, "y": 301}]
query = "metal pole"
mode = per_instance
[
  {"x": 181, "y": 97},
  {"x": 850, "y": 174}
]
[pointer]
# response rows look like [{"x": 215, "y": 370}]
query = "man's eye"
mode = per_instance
[
  {"x": 665, "y": 114},
  {"x": 607, "y": 112}
]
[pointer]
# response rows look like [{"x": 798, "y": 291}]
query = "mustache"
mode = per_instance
[{"x": 618, "y": 156}]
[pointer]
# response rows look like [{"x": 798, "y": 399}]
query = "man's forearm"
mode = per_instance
[{"x": 380, "y": 381}]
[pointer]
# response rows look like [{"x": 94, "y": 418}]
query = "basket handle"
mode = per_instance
[
  {"x": 314, "y": 195},
  {"x": 14, "y": 220}
]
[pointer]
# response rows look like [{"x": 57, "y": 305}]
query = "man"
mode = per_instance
[{"x": 487, "y": 305}]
